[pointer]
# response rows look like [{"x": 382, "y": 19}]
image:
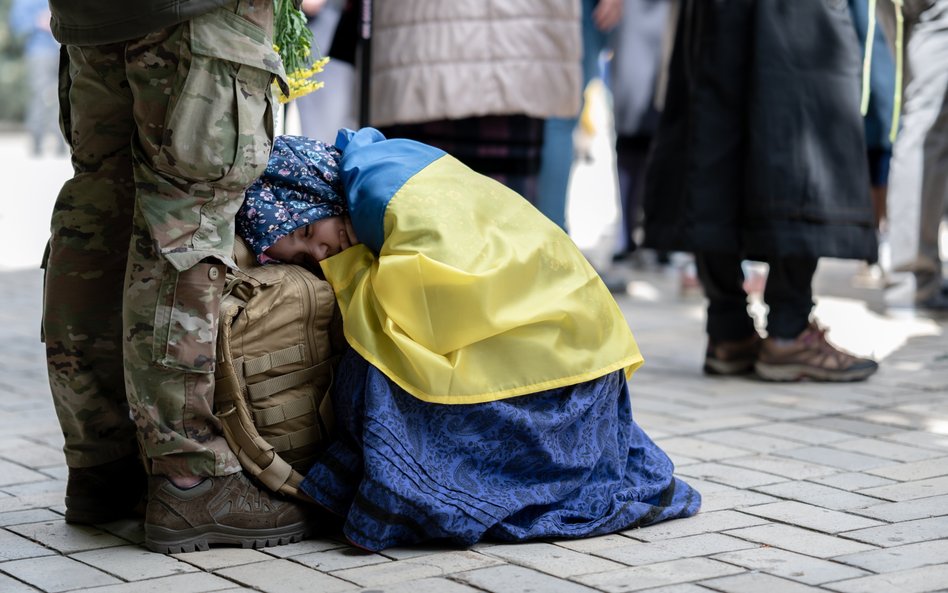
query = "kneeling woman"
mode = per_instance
[{"x": 484, "y": 394}]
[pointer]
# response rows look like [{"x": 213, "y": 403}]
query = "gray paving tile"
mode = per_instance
[
  {"x": 430, "y": 565},
  {"x": 910, "y": 490},
  {"x": 56, "y": 573},
  {"x": 729, "y": 475},
  {"x": 700, "y": 449},
  {"x": 836, "y": 458},
  {"x": 921, "y": 439},
  {"x": 801, "y": 433},
  {"x": 594, "y": 544},
  {"x": 435, "y": 585},
  {"x": 13, "y": 473},
  {"x": 517, "y": 579},
  {"x": 750, "y": 441},
  {"x": 40, "y": 487},
  {"x": 66, "y": 538},
  {"x": 916, "y": 580},
  {"x": 304, "y": 547},
  {"x": 339, "y": 559},
  {"x": 917, "y": 470},
  {"x": 198, "y": 582},
  {"x": 638, "y": 578},
  {"x": 888, "y": 449},
  {"x": 217, "y": 558},
  {"x": 819, "y": 495},
  {"x": 10, "y": 504},
  {"x": 417, "y": 551},
  {"x": 448, "y": 562},
  {"x": 685, "y": 588},
  {"x": 33, "y": 455},
  {"x": 133, "y": 563},
  {"x": 854, "y": 426},
  {"x": 899, "y": 557},
  {"x": 11, "y": 585},
  {"x": 853, "y": 481},
  {"x": 790, "y": 565},
  {"x": 15, "y": 547},
  {"x": 705, "y": 544},
  {"x": 551, "y": 559},
  {"x": 757, "y": 582},
  {"x": 908, "y": 510},
  {"x": 737, "y": 420},
  {"x": 284, "y": 576},
  {"x": 907, "y": 532},
  {"x": 801, "y": 541},
  {"x": 732, "y": 499},
  {"x": 812, "y": 517},
  {"x": 713, "y": 522},
  {"x": 27, "y": 516},
  {"x": 782, "y": 466}
]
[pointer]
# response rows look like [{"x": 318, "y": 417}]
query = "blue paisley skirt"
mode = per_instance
[{"x": 564, "y": 463}]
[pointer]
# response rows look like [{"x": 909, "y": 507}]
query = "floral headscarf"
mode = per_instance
[{"x": 300, "y": 186}]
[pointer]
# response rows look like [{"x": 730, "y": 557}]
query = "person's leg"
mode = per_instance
[
  {"x": 789, "y": 296},
  {"x": 733, "y": 340},
  {"x": 203, "y": 133},
  {"x": 557, "y": 162},
  {"x": 918, "y": 181},
  {"x": 631, "y": 155},
  {"x": 796, "y": 347},
  {"x": 85, "y": 267}
]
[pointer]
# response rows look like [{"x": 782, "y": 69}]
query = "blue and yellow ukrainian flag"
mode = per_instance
[{"x": 461, "y": 291}]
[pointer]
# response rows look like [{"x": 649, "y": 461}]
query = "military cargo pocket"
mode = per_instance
[
  {"x": 187, "y": 316},
  {"x": 219, "y": 125}
]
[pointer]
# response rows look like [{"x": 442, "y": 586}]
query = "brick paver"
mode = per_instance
[{"x": 807, "y": 487}]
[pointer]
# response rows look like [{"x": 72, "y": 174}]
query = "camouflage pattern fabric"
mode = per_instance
[{"x": 166, "y": 133}]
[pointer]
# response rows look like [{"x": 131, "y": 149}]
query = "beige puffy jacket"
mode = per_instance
[{"x": 449, "y": 59}]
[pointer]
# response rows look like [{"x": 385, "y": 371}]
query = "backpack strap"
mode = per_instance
[
  {"x": 264, "y": 363},
  {"x": 265, "y": 389}
]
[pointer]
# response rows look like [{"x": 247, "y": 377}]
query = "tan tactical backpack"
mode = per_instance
[{"x": 278, "y": 342}]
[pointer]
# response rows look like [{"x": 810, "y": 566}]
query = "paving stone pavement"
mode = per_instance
[{"x": 807, "y": 487}]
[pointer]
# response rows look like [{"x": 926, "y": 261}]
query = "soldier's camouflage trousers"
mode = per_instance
[{"x": 166, "y": 133}]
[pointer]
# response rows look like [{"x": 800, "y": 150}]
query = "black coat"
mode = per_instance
[{"x": 761, "y": 148}]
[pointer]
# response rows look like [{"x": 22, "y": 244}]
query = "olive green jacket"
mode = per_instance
[{"x": 97, "y": 22}]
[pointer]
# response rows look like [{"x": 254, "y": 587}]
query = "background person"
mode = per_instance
[{"x": 744, "y": 167}]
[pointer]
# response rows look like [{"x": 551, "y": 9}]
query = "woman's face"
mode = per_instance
[{"x": 308, "y": 245}]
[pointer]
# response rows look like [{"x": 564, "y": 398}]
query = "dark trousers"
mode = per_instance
[{"x": 788, "y": 295}]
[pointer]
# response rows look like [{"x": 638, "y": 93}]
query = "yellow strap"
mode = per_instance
[
  {"x": 899, "y": 49},
  {"x": 273, "y": 360},
  {"x": 276, "y": 414},
  {"x": 867, "y": 57}
]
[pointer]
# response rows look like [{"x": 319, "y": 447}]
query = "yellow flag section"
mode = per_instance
[{"x": 474, "y": 295}]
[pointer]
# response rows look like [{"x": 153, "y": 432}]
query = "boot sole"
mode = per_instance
[
  {"x": 199, "y": 539},
  {"x": 796, "y": 372}
]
